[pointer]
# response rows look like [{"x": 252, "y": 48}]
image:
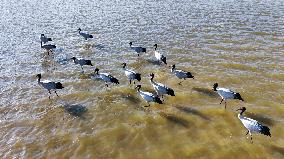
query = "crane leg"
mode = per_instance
[
  {"x": 82, "y": 69},
  {"x": 129, "y": 81},
  {"x": 106, "y": 84},
  {"x": 221, "y": 101},
  {"x": 49, "y": 94},
  {"x": 251, "y": 137},
  {"x": 225, "y": 104},
  {"x": 247, "y": 132},
  {"x": 180, "y": 82},
  {"x": 56, "y": 93}
]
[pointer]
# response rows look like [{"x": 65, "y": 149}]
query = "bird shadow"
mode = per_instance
[
  {"x": 131, "y": 98},
  {"x": 62, "y": 61},
  {"x": 175, "y": 119},
  {"x": 99, "y": 46},
  {"x": 206, "y": 91},
  {"x": 278, "y": 149},
  {"x": 193, "y": 111},
  {"x": 87, "y": 46},
  {"x": 75, "y": 110},
  {"x": 153, "y": 62},
  {"x": 261, "y": 118}
]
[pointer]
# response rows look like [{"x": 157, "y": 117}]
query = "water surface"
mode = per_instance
[{"x": 239, "y": 44}]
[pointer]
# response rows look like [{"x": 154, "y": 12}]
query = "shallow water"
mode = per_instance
[{"x": 239, "y": 44}]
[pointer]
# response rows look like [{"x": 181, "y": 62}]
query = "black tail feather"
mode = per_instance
[
  {"x": 171, "y": 92},
  {"x": 88, "y": 62},
  {"x": 238, "y": 96},
  {"x": 58, "y": 85},
  {"x": 189, "y": 75},
  {"x": 265, "y": 131},
  {"x": 91, "y": 36},
  {"x": 158, "y": 100},
  {"x": 114, "y": 80},
  {"x": 143, "y": 49},
  {"x": 138, "y": 76},
  {"x": 49, "y": 39}
]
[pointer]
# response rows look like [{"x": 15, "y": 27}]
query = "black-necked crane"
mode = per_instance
[
  {"x": 131, "y": 75},
  {"x": 82, "y": 62},
  {"x": 85, "y": 35},
  {"x": 137, "y": 49},
  {"x": 107, "y": 78},
  {"x": 181, "y": 74},
  {"x": 44, "y": 39},
  {"x": 160, "y": 88},
  {"x": 148, "y": 97},
  {"x": 49, "y": 85},
  {"x": 159, "y": 56},
  {"x": 47, "y": 47},
  {"x": 226, "y": 94},
  {"x": 252, "y": 125}
]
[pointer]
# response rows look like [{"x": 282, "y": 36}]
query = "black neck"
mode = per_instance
[{"x": 243, "y": 110}]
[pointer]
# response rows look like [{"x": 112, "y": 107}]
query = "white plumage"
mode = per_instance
[
  {"x": 160, "y": 88},
  {"x": 107, "y": 78},
  {"x": 49, "y": 85},
  {"x": 81, "y": 61},
  {"x": 148, "y": 97},
  {"x": 252, "y": 125},
  {"x": 131, "y": 75},
  {"x": 137, "y": 49},
  {"x": 181, "y": 74},
  {"x": 226, "y": 94},
  {"x": 159, "y": 56},
  {"x": 85, "y": 35},
  {"x": 44, "y": 39}
]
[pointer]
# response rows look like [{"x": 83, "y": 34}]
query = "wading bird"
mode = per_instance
[
  {"x": 85, "y": 35},
  {"x": 138, "y": 50},
  {"x": 131, "y": 75},
  {"x": 49, "y": 85},
  {"x": 82, "y": 62},
  {"x": 226, "y": 94},
  {"x": 48, "y": 47},
  {"x": 159, "y": 56},
  {"x": 107, "y": 78},
  {"x": 148, "y": 97},
  {"x": 44, "y": 39},
  {"x": 181, "y": 74},
  {"x": 160, "y": 88},
  {"x": 252, "y": 125}
]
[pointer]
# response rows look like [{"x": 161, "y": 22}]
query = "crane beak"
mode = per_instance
[{"x": 239, "y": 109}]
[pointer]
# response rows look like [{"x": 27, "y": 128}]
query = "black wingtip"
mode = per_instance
[
  {"x": 49, "y": 39},
  {"x": 158, "y": 100},
  {"x": 58, "y": 85},
  {"x": 89, "y": 62},
  {"x": 143, "y": 49},
  {"x": 114, "y": 80},
  {"x": 265, "y": 131},
  {"x": 189, "y": 75},
  {"x": 138, "y": 76},
  {"x": 171, "y": 92},
  {"x": 91, "y": 36},
  {"x": 238, "y": 96}
]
